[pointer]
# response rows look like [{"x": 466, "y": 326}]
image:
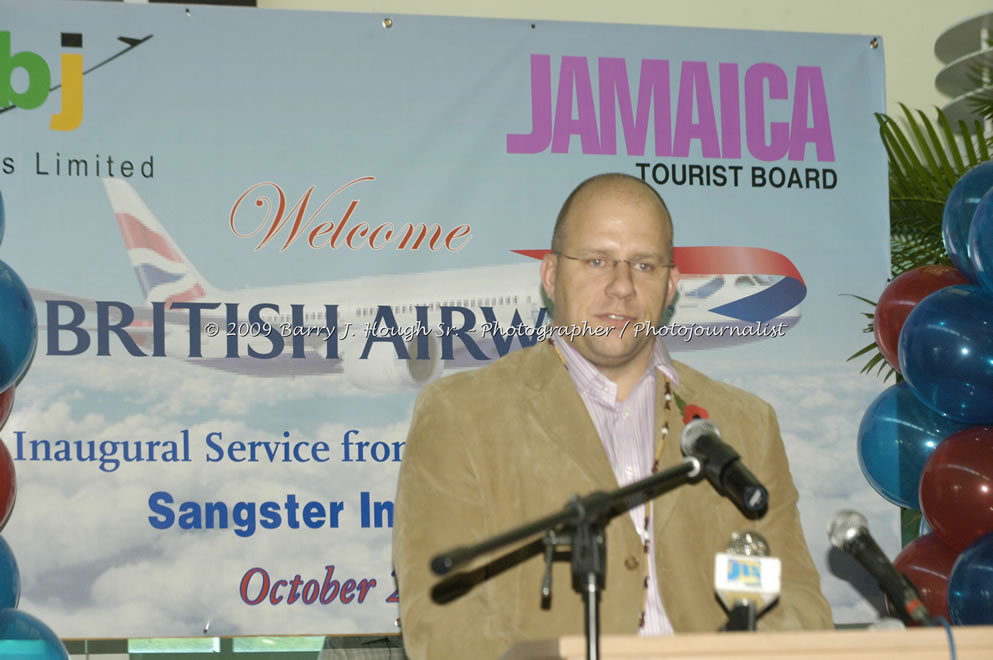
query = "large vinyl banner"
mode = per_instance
[{"x": 252, "y": 235}]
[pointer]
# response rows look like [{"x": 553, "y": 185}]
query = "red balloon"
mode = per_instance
[
  {"x": 900, "y": 296},
  {"x": 956, "y": 491},
  {"x": 928, "y": 563},
  {"x": 8, "y": 483},
  {"x": 6, "y": 403}
]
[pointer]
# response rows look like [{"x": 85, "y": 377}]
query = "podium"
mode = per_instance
[{"x": 971, "y": 643}]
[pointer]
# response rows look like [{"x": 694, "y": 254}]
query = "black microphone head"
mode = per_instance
[
  {"x": 693, "y": 431},
  {"x": 748, "y": 543},
  {"x": 845, "y": 527},
  {"x": 442, "y": 565}
]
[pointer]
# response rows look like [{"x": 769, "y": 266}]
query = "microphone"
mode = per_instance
[
  {"x": 849, "y": 531},
  {"x": 746, "y": 579},
  {"x": 723, "y": 468}
]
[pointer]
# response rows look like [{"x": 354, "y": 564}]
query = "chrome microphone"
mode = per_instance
[
  {"x": 746, "y": 579},
  {"x": 848, "y": 531}
]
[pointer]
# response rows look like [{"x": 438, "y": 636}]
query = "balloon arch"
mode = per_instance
[
  {"x": 927, "y": 443},
  {"x": 21, "y": 635}
]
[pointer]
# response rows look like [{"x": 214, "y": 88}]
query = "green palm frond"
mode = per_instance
[
  {"x": 925, "y": 160},
  {"x": 981, "y": 100},
  {"x": 876, "y": 360}
]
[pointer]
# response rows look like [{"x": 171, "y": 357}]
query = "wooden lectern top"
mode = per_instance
[{"x": 971, "y": 643}]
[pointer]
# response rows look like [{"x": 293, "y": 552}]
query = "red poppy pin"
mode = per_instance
[{"x": 691, "y": 412}]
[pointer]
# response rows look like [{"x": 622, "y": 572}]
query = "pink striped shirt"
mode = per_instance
[{"x": 625, "y": 429}]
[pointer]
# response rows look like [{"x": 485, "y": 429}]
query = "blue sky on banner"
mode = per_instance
[{"x": 425, "y": 107}]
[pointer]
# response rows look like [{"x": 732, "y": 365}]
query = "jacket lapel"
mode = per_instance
[{"x": 555, "y": 410}]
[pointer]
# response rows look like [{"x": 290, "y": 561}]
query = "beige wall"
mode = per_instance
[{"x": 909, "y": 28}]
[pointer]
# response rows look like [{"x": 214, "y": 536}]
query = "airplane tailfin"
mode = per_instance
[{"x": 163, "y": 271}]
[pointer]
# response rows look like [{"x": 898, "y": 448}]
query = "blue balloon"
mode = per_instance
[
  {"x": 981, "y": 242},
  {"x": 10, "y": 578},
  {"x": 959, "y": 209},
  {"x": 18, "y": 327},
  {"x": 946, "y": 352},
  {"x": 895, "y": 438},
  {"x": 23, "y": 636},
  {"x": 970, "y": 584}
]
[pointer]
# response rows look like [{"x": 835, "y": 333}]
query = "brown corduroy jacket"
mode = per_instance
[{"x": 493, "y": 448}]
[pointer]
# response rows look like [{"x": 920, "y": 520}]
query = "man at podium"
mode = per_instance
[{"x": 596, "y": 406}]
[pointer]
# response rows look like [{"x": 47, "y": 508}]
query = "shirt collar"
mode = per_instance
[{"x": 584, "y": 373}]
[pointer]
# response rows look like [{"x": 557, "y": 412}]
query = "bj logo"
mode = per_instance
[{"x": 39, "y": 81}]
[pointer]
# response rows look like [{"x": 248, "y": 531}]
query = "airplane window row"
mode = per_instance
[
  {"x": 754, "y": 280},
  {"x": 706, "y": 289},
  {"x": 496, "y": 300}
]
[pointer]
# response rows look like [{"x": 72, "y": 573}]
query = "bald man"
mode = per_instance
[{"x": 493, "y": 448}]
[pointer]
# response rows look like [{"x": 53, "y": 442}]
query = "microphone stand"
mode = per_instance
[
  {"x": 586, "y": 517},
  {"x": 741, "y": 617}
]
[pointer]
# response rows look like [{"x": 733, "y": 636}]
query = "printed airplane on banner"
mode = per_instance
[{"x": 387, "y": 332}]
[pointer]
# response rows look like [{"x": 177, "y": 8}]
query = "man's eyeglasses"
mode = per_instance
[{"x": 601, "y": 264}]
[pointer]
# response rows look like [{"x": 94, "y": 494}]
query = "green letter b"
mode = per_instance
[{"x": 39, "y": 76}]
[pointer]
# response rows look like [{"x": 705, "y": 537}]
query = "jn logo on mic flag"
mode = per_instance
[{"x": 744, "y": 572}]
